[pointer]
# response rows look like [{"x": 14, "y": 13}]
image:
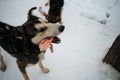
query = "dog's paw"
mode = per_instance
[
  {"x": 45, "y": 70},
  {"x": 2, "y": 64},
  {"x": 3, "y": 67}
]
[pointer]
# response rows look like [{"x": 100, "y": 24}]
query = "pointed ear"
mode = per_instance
[{"x": 30, "y": 15}]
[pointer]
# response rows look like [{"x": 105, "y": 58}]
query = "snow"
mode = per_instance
[{"x": 86, "y": 39}]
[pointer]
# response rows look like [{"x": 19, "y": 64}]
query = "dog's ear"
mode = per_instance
[{"x": 30, "y": 15}]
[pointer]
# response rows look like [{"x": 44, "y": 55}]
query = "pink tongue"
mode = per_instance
[{"x": 45, "y": 43}]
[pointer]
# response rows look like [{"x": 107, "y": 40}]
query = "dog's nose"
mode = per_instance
[{"x": 61, "y": 28}]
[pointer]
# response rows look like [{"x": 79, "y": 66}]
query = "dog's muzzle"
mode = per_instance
[{"x": 47, "y": 42}]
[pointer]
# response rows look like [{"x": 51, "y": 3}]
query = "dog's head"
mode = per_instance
[{"x": 37, "y": 29}]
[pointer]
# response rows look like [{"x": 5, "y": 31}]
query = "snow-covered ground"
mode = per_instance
[{"x": 91, "y": 28}]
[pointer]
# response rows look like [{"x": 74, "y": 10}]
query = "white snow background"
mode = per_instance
[{"x": 91, "y": 27}]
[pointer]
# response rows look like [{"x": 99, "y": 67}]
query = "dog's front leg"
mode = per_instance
[
  {"x": 44, "y": 70},
  {"x": 41, "y": 57},
  {"x": 22, "y": 67},
  {"x": 2, "y": 63}
]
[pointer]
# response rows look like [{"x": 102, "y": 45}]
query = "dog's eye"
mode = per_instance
[{"x": 42, "y": 29}]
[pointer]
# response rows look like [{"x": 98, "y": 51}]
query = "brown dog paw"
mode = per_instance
[
  {"x": 2, "y": 64},
  {"x": 45, "y": 70}
]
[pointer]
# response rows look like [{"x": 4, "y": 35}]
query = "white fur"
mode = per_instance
[{"x": 41, "y": 56}]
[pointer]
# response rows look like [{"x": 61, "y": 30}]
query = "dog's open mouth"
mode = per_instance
[{"x": 47, "y": 42}]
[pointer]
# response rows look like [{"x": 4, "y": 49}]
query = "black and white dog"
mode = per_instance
[{"x": 22, "y": 42}]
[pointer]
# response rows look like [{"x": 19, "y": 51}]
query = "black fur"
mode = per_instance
[
  {"x": 17, "y": 40},
  {"x": 54, "y": 14}
]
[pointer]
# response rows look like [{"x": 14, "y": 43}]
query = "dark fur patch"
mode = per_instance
[
  {"x": 23, "y": 49},
  {"x": 17, "y": 40},
  {"x": 54, "y": 14}
]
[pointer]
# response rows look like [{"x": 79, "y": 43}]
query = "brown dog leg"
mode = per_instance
[
  {"x": 44, "y": 70},
  {"x": 22, "y": 67},
  {"x": 2, "y": 64}
]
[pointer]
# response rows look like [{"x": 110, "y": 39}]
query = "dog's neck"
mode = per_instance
[{"x": 21, "y": 34}]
